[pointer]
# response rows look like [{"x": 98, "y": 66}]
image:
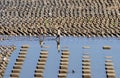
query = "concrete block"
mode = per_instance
[
  {"x": 63, "y": 71},
  {"x": 62, "y": 75},
  {"x": 107, "y": 47}
]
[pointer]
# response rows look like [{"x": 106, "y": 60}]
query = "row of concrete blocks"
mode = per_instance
[
  {"x": 110, "y": 72},
  {"x": 3, "y": 66},
  {"x": 78, "y": 7},
  {"x": 106, "y": 32},
  {"x": 19, "y": 62},
  {"x": 4, "y": 54},
  {"x": 6, "y": 51},
  {"x": 41, "y": 64},
  {"x": 57, "y": 14},
  {"x": 69, "y": 23},
  {"x": 63, "y": 68},
  {"x": 68, "y": 20},
  {"x": 64, "y": 33},
  {"x": 86, "y": 70},
  {"x": 59, "y": 3}
]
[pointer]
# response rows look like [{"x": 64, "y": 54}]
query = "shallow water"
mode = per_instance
[{"x": 74, "y": 45}]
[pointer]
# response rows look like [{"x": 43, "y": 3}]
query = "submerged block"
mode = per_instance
[
  {"x": 108, "y": 57},
  {"x": 86, "y": 47},
  {"x": 86, "y": 57}
]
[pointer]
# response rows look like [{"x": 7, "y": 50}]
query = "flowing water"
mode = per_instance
[{"x": 74, "y": 45}]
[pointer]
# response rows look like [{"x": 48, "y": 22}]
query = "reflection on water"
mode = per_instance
[{"x": 55, "y": 46}]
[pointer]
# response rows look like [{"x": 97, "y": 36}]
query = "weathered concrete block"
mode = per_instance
[{"x": 107, "y": 47}]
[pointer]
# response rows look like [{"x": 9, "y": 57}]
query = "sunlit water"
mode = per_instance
[{"x": 74, "y": 45}]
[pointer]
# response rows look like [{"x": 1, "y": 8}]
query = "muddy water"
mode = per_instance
[{"x": 75, "y": 46}]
